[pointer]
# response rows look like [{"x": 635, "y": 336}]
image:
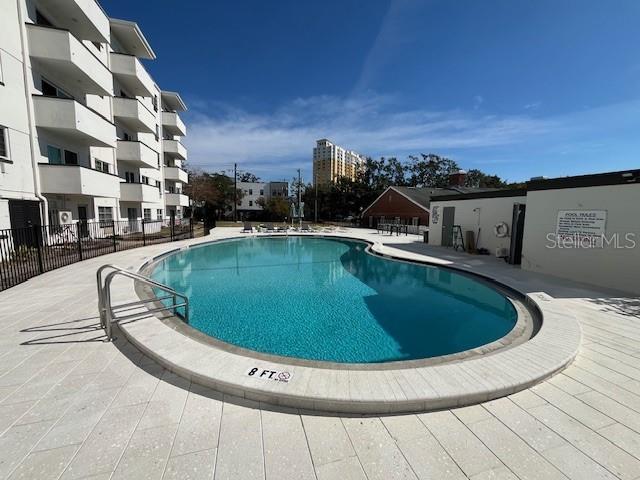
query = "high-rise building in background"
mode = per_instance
[
  {"x": 85, "y": 132},
  {"x": 331, "y": 161}
]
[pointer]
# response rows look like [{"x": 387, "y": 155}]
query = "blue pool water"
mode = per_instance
[{"x": 327, "y": 299}]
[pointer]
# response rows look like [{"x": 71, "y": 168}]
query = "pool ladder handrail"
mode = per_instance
[{"x": 106, "y": 310}]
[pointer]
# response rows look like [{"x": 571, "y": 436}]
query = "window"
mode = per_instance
[
  {"x": 50, "y": 90},
  {"x": 129, "y": 177},
  {"x": 159, "y": 213},
  {"x": 54, "y": 154},
  {"x": 98, "y": 45},
  {"x": 1, "y": 75},
  {"x": 144, "y": 179},
  {"x": 102, "y": 166},
  {"x": 42, "y": 20},
  {"x": 70, "y": 158},
  {"x": 4, "y": 143},
  {"x": 251, "y": 191},
  {"x": 251, "y": 203},
  {"x": 105, "y": 215},
  {"x": 261, "y": 192},
  {"x": 147, "y": 214},
  {"x": 155, "y": 103},
  {"x": 157, "y": 135},
  {"x": 126, "y": 137}
]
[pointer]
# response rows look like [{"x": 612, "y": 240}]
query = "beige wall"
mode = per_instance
[
  {"x": 491, "y": 211},
  {"x": 616, "y": 268}
]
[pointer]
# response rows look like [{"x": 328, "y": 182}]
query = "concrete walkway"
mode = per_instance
[{"x": 72, "y": 406}]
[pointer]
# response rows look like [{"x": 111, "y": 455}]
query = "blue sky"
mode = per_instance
[{"x": 516, "y": 88}]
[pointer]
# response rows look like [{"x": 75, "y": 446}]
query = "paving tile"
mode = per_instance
[
  {"x": 46, "y": 464},
  {"x": 378, "y": 454},
  {"x": 423, "y": 452},
  {"x": 591, "y": 443},
  {"x": 328, "y": 439},
  {"x": 200, "y": 422},
  {"x": 576, "y": 465},
  {"x": 346, "y": 469},
  {"x": 240, "y": 452},
  {"x": 17, "y": 442},
  {"x": 527, "y": 399},
  {"x": 615, "y": 410},
  {"x": 191, "y": 466},
  {"x": 500, "y": 473},
  {"x": 623, "y": 437},
  {"x": 519, "y": 457},
  {"x": 104, "y": 446},
  {"x": 146, "y": 455},
  {"x": 167, "y": 403},
  {"x": 471, "y": 414},
  {"x": 286, "y": 454},
  {"x": 471, "y": 455}
]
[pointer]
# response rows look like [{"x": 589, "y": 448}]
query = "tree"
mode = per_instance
[
  {"x": 478, "y": 179},
  {"x": 212, "y": 193},
  {"x": 247, "y": 177},
  {"x": 276, "y": 208},
  {"x": 431, "y": 170}
]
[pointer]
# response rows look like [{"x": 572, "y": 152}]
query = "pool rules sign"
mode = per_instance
[{"x": 580, "y": 226}]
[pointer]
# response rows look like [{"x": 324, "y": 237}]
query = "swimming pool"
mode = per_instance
[{"x": 328, "y": 299}]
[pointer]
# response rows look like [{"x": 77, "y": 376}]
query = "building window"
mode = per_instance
[
  {"x": 251, "y": 191},
  {"x": 54, "y": 154},
  {"x": 251, "y": 203},
  {"x": 50, "y": 90},
  {"x": 159, "y": 213},
  {"x": 70, "y": 158},
  {"x": 4, "y": 143},
  {"x": 157, "y": 135},
  {"x": 1, "y": 75},
  {"x": 102, "y": 166},
  {"x": 129, "y": 177},
  {"x": 261, "y": 192},
  {"x": 105, "y": 215},
  {"x": 98, "y": 45},
  {"x": 144, "y": 179},
  {"x": 155, "y": 103},
  {"x": 147, "y": 214}
]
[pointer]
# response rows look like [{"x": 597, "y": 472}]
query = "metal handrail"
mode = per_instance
[{"x": 104, "y": 296}]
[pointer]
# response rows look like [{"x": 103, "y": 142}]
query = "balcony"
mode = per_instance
[
  {"x": 137, "y": 153},
  {"x": 68, "y": 118},
  {"x": 77, "y": 180},
  {"x": 176, "y": 200},
  {"x": 134, "y": 115},
  {"x": 132, "y": 75},
  {"x": 173, "y": 124},
  {"x": 84, "y": 18},
  {"x": 62, "y": 58},
  {"x": 139, "y": 192},
  {"x": 174, "y": 149},
  {"x": 176, "y": 174}
]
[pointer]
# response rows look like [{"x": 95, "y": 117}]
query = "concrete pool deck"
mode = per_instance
[
  {"x": 72, "y": 406},
  {"x": 485, "y": 373}
]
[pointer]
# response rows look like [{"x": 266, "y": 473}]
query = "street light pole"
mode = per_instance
[
  {"x": 299, "y": 200},
  {"x": 235, "y": 192}
]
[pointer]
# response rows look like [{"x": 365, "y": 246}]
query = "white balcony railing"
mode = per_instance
[
  {"x": 173, "y": 124},
  {"x": 63, "y": 58},
  {"x": 133, "y": 114},
  {"x": 174, "y": 149},
  {"x": 139, "y": 192},
  {"x": 176, "y": 174},
  {"x": 69, "y": 118},
  {"x": 176, "y": 199},
  {"x": 77, "y": 180},
  {"x": 137, "y": 153},
  {"x": 131, "y": 74}
]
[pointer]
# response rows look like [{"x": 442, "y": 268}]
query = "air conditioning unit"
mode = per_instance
[
  {"x": 502, "y": 252},
  {"x": 65, "y": 217}
]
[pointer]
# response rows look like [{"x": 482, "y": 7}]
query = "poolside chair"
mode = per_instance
[
  {"x": 269, "y": 227},
  {"x": 247, "y": 227},
  {"x": 306, "y": 228}
]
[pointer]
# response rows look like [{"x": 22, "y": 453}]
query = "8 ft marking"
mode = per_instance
[{"x": 266, "y": 374}]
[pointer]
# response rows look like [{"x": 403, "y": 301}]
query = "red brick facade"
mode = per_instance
[{"x": 393, "y": 204}]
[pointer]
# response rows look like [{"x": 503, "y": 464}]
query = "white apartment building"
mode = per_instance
[
  {"x": 83, "y": 126},
  {"x": 331, "y": 161},
  {"x": 252, "y": 192}
]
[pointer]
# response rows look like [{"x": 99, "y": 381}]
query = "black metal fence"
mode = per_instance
[{"x": 31, "y": 251}]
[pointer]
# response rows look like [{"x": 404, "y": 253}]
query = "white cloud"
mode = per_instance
[
  {"x": 532, "y": 106},
  {"x": 272, "y": 144}
]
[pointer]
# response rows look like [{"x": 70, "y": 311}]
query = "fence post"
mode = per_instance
[
  {"x": 113, "y": 225},
  {"x": 38, "y": 234},
  {"x": 172, "y": 218},
  {"x": 144, "y": 236},
  {"x": 79, "y": 240}
]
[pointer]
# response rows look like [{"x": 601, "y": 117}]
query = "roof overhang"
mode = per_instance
[
  {"x": 398, "y": 192},
  {"x": 173, "y": 101},
  {"x": 131, "y": 38}
]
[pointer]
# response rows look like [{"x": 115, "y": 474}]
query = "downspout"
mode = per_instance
[{"x": 44, "y": 205}]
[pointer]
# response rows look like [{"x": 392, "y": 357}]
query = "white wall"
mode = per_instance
[
  {"x": 491, "y": 211},
  {"x": 616, "y": 268}
]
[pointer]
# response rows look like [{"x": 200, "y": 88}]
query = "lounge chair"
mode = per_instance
[
  {"x": 247, "y": 227},
  {"x": 306, "y": 228},
  {"x": 269, "y": 227}
]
